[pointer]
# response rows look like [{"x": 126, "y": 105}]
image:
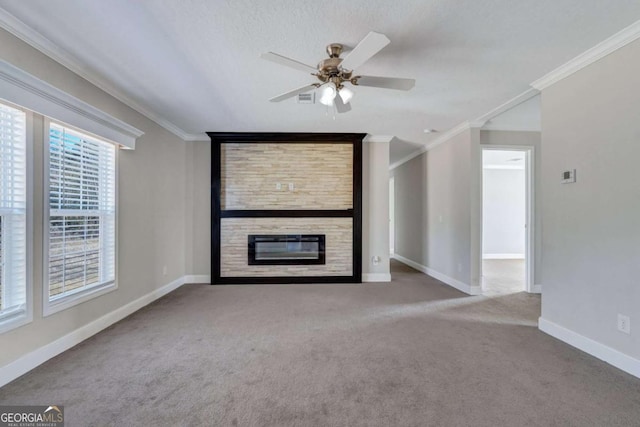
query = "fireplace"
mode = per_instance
[
  {"x": 286, "y": 249},
  {"x": 263, "y": 234}
]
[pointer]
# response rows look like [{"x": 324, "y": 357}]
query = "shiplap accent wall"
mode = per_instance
[
  {"x": 235, "y": 231},
  {"x": 322, "y": 176}
]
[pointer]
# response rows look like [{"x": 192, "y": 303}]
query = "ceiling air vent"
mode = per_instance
[{"x": 307, "y": 98}]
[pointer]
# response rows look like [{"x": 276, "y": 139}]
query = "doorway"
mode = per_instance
[{"x": 507, "y": 212}]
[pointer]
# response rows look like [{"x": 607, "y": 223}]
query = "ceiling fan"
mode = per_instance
[{"x": 335, "y": 71}]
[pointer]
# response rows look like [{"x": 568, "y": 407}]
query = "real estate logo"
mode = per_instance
[{"x": 32, "y": 416}]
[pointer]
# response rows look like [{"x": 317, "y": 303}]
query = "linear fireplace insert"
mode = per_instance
[{"x": 286, "y": 249}]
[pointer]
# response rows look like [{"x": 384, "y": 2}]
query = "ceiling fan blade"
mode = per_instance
[
  {"x": 341, "y": 107},
  {"x": 368, "y": 46},
  {"x": 288, "y": 62},
  {"x": 386, "y": 82},
  {"x": 293, "y": 93}
]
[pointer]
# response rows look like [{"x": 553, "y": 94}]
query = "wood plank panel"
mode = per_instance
[{"x": 321, "y": 174}]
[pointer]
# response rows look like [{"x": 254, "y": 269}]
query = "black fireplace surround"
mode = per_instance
[
  {"x": 286, "y": 249},
  {"x": 218, "y": 139}
]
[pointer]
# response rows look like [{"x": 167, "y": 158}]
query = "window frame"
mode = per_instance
[
  {"x": 49, "y": 306},
  {"x": 13, "y": 321}
]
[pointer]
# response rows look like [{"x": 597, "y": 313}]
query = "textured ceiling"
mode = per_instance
[{"x": 196, "y": 63}]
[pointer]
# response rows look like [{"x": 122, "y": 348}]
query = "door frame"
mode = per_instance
[
  {"x": 392, "y": 216},
  {"x": 530, "y": 211}
]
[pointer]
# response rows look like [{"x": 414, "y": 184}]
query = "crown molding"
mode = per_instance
[
  {"x": 599, "y": 51},
  {"x": 479, "y": 123},
  {"x": 378, "y": 138},
  {"x": 446, "y": 136},
  {"x": 510, "y": 128},
  {"x": 516, "y": 100},
  {"x": 196, "y": 137},
  {"x": 23, "y": 89},
  {"x": 405, "y": 159},
  {"x": 441, "y": 139},
  {"x": 47, "y": 47}
]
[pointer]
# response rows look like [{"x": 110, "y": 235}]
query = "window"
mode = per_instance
[
  {"x": 82, "y": 216},
  {"x": 13, "y": 218}
]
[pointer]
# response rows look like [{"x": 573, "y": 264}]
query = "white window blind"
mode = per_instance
[
  {"x": 13, "y": 212},
  {"x": 82, "y": 210}
]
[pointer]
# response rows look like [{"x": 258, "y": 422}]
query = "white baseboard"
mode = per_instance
[
  {"x": 461, "y": 286},
  {"x": 376, "y": 277},
  {"x": 197, "y": 278},
  {"x": 594, "y": 348},
  {"x": 503, "y": 256},
  {"x": 37, "y": 357},
  {"x": 410, "y": 263},
  {"x": 536, "y": 289}
]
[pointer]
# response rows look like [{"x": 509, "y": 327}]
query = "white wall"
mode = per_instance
[
  {"x": 503, "y": 212},
  {"x": 438, "y": 206},
  {"x": 433, "y": 210},
  {"x": 198, "y": 193},
  {"x": 151, "y": 216},
  {"x": 392, "y": 230},
  {"x": 591, "y": 229},
  {"x": 448, "y": 213},
  {"x": 410, "y": 209},
  {"x": 375, "y": 210}
]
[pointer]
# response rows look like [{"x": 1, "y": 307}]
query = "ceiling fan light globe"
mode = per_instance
[
  {"x": 346, "y": 94},
  {"x": 327, "y": 95},
  {"x": 328, "y": 92},
  {"x": 326, "y": 101}
]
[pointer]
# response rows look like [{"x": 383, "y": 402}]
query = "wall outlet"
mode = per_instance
[
  {"x": 624, "y": 324},
  {"x": 291, "y": 187},
  {"x": 375, "y": 260},
  {"x": 164, "y": 270},
  {"x": 278, "y": 186}
]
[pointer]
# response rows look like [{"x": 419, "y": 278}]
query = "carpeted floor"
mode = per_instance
[{"x": 413, "y": 352}]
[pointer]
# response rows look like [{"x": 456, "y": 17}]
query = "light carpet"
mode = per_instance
[{"x": 413, "y": 352}]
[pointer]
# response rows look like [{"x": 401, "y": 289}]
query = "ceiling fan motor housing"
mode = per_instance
[
  {"x": 329, "y": 69},
  {"x": 334, "y": 50}
]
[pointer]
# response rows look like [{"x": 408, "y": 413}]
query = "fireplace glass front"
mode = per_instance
[{"x": 286, "y": 249}]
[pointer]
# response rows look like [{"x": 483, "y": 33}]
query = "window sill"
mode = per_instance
[
  {"x": 63, "y": 303},
  {"x": 15, "y": 320}
]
